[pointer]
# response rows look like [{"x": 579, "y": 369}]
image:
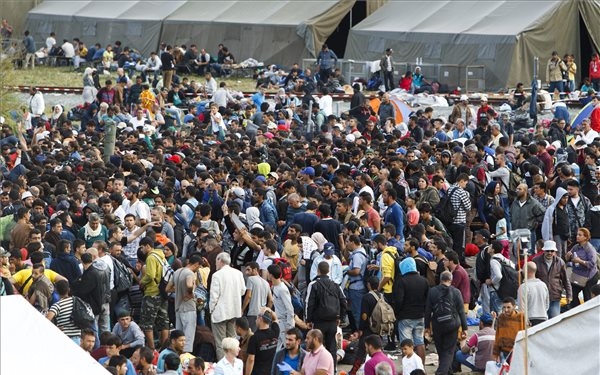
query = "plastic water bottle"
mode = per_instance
[
  {"x": 575, "y": 257},
  {"x": 576, "y": 170}
]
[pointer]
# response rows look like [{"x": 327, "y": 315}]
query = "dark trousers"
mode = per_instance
[
  {"x": 389, "y": 298},
  {"x": 388, "y": 80},
  {"x": 329, "y": 330},
  {"x": 445, "y": 345},
  {"x": 324, "y": 74},
  {"x": 587, "y": 292},
  {"x": 457, "y": 232}
]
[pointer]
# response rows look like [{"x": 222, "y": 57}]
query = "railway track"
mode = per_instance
[{"x": 494, "y": 99}]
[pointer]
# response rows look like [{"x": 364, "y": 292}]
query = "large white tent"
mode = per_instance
[
  {"x": 272, "y": 31},
  {"x": 567, "y": 344},
  {"x": 504, "y": 35},
  {"x": 31, "y": 344}
]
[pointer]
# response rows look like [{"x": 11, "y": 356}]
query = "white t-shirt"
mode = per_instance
[
  {"x": 50, "y": 42},
  {"x": 411, "y": 363}
]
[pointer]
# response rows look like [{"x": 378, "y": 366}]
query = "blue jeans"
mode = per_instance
[
  {"x": 556, "y": 85},
  {"x": 132, "y": 262},
  {"x": 596, "y": 243},
  {"x": 554, "y": 309},
  {"x": 94, "y": 328},
  {"x": 462, "y": 359},
  {"x": 201, "y": 315},
  {"x": 411, "y": 329},
  {"x": 355, "y": 297},
  {"x": 495, "y": 301}
]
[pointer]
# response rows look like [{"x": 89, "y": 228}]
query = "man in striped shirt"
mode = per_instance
[
  {"x": 461, "y": 203},
  {"x": 61, "y": 312}
]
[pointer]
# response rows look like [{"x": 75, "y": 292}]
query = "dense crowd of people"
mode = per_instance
[{"x": 209, "y": 233}]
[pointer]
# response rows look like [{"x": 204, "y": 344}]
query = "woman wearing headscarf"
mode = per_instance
[
  {"x": 89, "y": 88},
  {"x": 308, "y": 250},
  {"x": 58, "y": 117},
  {"x": 253, "y": 218},
  {"x": 427, "y": 192},
  {"x": 487, "y": 203},
  {"x": 556, "y": 226}
]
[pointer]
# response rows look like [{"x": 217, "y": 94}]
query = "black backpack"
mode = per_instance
[
  {"x": 482, "y": 265},
  {"x": 445, "y": 210},
  {"x": 444, "y": 312},
  {"x": 166, "y": 276},
  {"x": 82, "y": 315},
  {"x": 192, "y": 245},
  {"x": 122, "y": 277},
  {"x": 397, "y": 259},
  {"x": 329, "y": 307},
  {"x": 509, "y": 285}
]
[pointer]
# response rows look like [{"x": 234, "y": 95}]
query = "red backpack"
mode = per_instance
[{"x": 286, "y": 268}]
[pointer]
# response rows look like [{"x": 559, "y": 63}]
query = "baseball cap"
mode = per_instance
[
  {"x": 486, "y": 318},
  {"x": 4, "y": 252},
  {"x": 310, "y": 171},
  {"x": 238, "y": 192},
  {"x": 464, "y": 98},
  {"x": 401, "y": 150},
  {"x": 26, "y": 195},
  {"x": 274, "y": 175},
  {"x": 260, "y": 178},
  {"x": 484, "y": 233},
  {"x": 328, "y": 248}
]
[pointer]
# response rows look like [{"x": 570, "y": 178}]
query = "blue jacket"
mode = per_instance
[
  {"x": 268, "y": 214},
  {"x": 394, "y": 215},
  {"x": 66, "y": 265}
]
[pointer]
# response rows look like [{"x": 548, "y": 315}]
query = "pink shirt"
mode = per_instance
[
  {"x": 377, "y": 358},
  {"x": 320, "y": 359}
]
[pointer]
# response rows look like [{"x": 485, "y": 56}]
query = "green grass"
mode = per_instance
[{"x": 66, "y": 77}]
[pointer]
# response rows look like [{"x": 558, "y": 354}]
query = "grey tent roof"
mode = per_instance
[
  {"x": 151, "y": 10},
  {"x": 64, "y": 8},
  {"x": 278, "y": 31},
  {"x": 503, "y": 36},
  {"x": 447, "y": 19}
]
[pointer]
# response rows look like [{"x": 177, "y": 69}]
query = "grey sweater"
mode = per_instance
[{"x": 538, "y": 299}]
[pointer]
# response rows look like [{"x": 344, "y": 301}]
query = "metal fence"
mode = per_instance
[{"x": 469, "y": 77}]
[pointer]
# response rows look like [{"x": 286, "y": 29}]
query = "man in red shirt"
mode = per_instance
[
  {"x": 373, "y": 345},
  {"x": 460, "y": 278},
  {"x": 595, "y": 115},
  {"x": 595, "y": 72}
]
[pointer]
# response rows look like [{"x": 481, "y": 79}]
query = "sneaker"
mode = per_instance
[{"x": 390, "y": 347}]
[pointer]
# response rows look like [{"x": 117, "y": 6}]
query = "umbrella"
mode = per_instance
[{"x": 585, "y": 112}]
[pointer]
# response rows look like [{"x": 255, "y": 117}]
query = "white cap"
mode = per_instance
[
  {"x": 464, "y": 98},
  {"x": 350, "y": 138},
  {"x": 26, "y": 195},
  {"x": 484, "y": 98}
]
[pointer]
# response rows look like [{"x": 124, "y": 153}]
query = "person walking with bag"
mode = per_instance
[
  {"x": 585, "y": 272},
  {"x": 444, "y": 314}
]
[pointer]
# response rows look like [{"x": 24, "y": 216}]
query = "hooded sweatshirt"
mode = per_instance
[
  {"x": 548, "y": 225},
  {"x": 410, "y": 292}
]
